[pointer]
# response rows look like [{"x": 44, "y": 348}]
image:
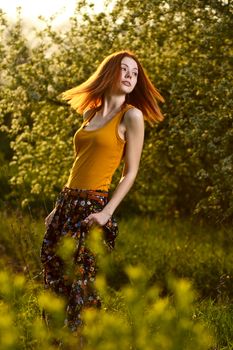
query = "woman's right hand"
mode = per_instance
[{"x": 49, "y": 218}]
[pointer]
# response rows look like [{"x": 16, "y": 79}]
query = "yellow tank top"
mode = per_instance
[{"x": 98, "y": 154}]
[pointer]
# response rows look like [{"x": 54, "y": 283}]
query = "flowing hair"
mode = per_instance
[{"x": 90, "y": 93}]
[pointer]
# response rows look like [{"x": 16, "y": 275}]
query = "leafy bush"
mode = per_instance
[
  {"x": 186, "y": 167},
  {"x": 155, "y": 284},
  {"x": 150, "y": 321}
]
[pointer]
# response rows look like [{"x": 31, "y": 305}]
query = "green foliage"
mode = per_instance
[
  {"x": 152, "y": 322},
  {"x": 186, "y": 249},
  {"x": 166, "y": 267},
  {"x": 219, "y": 319},
  {"x": 20, "y": 243},
  {"x": 186, "y": 167},
  {"x": 149, "y": 322}
]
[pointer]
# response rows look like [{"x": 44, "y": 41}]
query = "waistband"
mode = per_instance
[{"x": 91, "y": 194}]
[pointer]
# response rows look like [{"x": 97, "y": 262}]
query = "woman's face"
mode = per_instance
[{"x": 129, "y": 75}]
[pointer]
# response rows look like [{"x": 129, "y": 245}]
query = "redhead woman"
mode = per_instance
[{"x": 115, "y": 101}]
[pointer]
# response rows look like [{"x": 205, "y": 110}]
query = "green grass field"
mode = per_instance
[{"x": 167, "y": 285}]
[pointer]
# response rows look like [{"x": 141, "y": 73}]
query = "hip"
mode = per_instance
[{"x": 73, "y": 206}]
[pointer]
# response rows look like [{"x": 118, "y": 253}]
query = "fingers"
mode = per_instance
[
  {"x": 90, "y": 220},
  {"x": 47, "y": 222},
  {"x": 49, "y": 217}
]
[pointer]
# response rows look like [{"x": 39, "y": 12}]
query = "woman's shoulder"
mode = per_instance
[{"x": 133, "y": 113}]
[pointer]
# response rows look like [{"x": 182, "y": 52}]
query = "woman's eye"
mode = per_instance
[{"x": 135, "y": 74}]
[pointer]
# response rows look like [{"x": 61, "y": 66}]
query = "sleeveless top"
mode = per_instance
[{"x": 98, "y": 154}]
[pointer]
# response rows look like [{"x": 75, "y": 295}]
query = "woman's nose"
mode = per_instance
[{"x": 128, "y": 74}]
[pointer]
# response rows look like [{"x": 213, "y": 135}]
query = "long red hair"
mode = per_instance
[{"x": 90, "y": 93}]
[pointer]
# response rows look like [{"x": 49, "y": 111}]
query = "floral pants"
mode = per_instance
[{"x": 74, "y": 278}]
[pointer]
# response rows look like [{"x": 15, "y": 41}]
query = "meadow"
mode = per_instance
[{"x": 167, "y": 285}]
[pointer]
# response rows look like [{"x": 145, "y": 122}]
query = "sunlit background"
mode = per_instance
[
  {"x": 168, "y": 282},
  {"x": 34, "y": 8}
]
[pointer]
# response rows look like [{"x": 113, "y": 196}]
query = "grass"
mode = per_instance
[
  {"x": 188, "y": 250},
  {"x": 179, "y": 249}
]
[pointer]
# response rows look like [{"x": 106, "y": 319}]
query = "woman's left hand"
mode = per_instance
[{"x": 100, "y": 218}]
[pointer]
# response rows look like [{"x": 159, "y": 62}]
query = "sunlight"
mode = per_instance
[{"x": 34, "y": 8}]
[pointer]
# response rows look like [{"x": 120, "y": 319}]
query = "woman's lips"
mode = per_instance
[{"x": 127, "y": 83}]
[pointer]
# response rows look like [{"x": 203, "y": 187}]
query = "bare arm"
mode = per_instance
[{"x": 135, "y": 137}]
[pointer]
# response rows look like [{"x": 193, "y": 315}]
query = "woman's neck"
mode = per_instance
[{"x": 111, "y": 103}]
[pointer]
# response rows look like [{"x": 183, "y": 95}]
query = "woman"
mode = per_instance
[{"x": 114, "y": 102}]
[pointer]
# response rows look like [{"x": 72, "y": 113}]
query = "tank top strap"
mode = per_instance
[
  {"x": 121, "y": 115},
  {"x": 117, "y": 119}
]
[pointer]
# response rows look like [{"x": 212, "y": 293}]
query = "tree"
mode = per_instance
[{"x": 186, "y": 166}]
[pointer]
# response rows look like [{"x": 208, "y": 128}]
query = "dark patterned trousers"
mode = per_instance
[{"x": 73, "y": 277}]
